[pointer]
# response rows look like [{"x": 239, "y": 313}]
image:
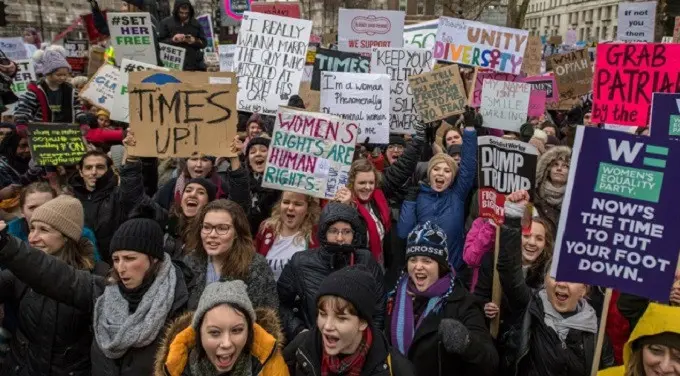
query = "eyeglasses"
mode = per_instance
[
  {"x": 395, "y": 147},
  {"x": 223, "y": 229},
  {"x": 344, "y": 232}
]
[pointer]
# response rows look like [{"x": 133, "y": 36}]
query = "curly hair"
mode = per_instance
[{"x": 275, "y": 223}]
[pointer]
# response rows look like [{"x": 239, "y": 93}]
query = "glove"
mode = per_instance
[
  {"x": 470, "y": 117},
  {"x": 419, "y": 127},
  {"x": 412, "y": 193},
  {"x": 454, "y": 336}
]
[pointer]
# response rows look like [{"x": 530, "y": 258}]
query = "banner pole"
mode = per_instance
[
  {"x": 497, "y": 291},
  {"x": 601, "y": 332}
]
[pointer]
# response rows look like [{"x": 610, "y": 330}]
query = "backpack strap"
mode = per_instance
[{"x": 389, "y": 363}]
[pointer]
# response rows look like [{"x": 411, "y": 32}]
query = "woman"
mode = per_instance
[
  {"x": 31, "y": 40},
  {"x": 654, "y": 346},
  {"x": 557, "y": 327},
  {"x": 290, "y": 229},
  {"x": 262, "y": 199},
  {"x": 225, "y": 335},
  {"x": 52, "y": 99},
  {"x": 343, "y": 242},
  {"x": 15, "y": 171},
  {"x": 441, "y": 199},
  {"x": 552, "y": 173},
  {"x": 430, "y": 306},
  {"x": 345, "y": 340},
  {"x": 198, "y": 166},
  {"x": 223, "y": 250},
  {"x": 44, "y": 327},
  {"x": 254, "y": 127},
  {"x": 130, "y": 308},
  {"x": 452, "y": 136}
]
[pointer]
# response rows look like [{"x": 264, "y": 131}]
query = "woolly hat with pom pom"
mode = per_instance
[{"x": 50, "y": 61}]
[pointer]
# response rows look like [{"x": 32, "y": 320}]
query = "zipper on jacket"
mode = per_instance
[{"x": 302, "y": 354}]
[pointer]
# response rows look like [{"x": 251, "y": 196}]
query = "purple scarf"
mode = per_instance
[{"x": 403, "y": 326}]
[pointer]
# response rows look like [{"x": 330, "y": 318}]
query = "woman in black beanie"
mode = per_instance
[{"x": 130, "y": 308}]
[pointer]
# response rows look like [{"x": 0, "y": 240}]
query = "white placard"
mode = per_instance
[
  {"x": 399, "y": 64},
  {"x": 172, "y": 57},
  {"x": 636, "y": 22},
  {"x": 121, "y": 101},
  {"x": 360, "y": 97},
  {"x": 307, "y": 73},
  {"x": 361, "y": 30},
  {"x": 102, "y": 87},
  {"x": 227, "y": 52},
  {"x": 270, "y": 57},
  {"x": 421, "y": 35},
  {"x": 14, "y": 48},
  {"x": 25, "y": 74},
  {"x": 132, "y": 37},
  {"x": 505, "y": 104}
]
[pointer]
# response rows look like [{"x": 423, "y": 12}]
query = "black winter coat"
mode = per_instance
[
  {"x": 303, "y": 357},
  {"x": 193, "y": 59},
  {"x": 429, "y": 356},
  {"x": 51, "y": 338},
  {"x": 110, "y": 204},
  {"x": 80, "y": 289}
]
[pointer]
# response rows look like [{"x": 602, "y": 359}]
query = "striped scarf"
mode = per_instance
[{"x": 350, "y": 365}]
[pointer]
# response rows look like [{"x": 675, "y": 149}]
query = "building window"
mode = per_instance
[
  {"x": 604, "y": 32},
  {"x": 421, "y": 7},
  {"x": 580, "y": 34},
  {"x": 402, "y": 5},
  {"x": 597, "y": 32},
  {"x": 599, "y": 14},
  {"x": 614, "y": 32}
]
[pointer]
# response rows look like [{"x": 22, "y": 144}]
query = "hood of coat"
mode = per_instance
[
  {"x": 179, "y": 3},
  {"x": 550, "y": 156},
  {"x": 658, "y": 319},
  {"x": 336, "y": 212},
  {"x": 180, "y": 338}
]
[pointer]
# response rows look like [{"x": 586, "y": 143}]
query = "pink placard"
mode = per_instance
[
  {"x": 546, "y": 83},
  {"x": 536, "y": 103},
  {"x": 286, "y": 9},
  {"x": 475, "y": 100},
  {"x": 626, "y": 76}
]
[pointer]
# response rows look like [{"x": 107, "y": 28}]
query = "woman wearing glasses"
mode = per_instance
[
  {"x": 223, "y": 250},
  {"x": 342, "y": 236}
]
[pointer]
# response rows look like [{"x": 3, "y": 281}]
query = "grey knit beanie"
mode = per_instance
[
  {"x": 51, "y": 61},
  {"x": 216, "y": 293}
]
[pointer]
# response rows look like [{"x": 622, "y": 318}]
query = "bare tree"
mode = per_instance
[
  {"x": 467, "y": 9},
  {"x": 516, "y": 13}
]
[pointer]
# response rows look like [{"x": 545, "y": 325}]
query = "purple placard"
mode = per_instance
[
  {"x": 547, "y": 84},
  {"x": 619, "y": 224},
  {"x": 475, "y": 99},
  {"x": 536, "y": 103},
  {"x": 665, "y": 119}
]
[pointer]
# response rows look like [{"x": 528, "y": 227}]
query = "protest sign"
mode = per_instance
[
  {"x": 206, "y": 23},
  {"x": 480, "y": 45},
  {"x": 227, "y": 52},
  {"x": 400, "y": 64},
  {"x": 95, "y": 60},
  {"x": 626, "y": 75},
  {"x": 618, "y": 224},
  {"x": 573, "y": 72},
  {"x": 505, "y": 166},
  {"x": 312, "y": 98},
  {"x": 270, "y": 58},
  {"x": 25, "y": 74},
  {"x": 56, "y": 144},
  {"x": 555, "y": 40},
  {"x": 544, "y": 83},
  {"x": 132, "y": 37},
  {"x": 636, "y": 21},
  {"x": 565, "y": 104},
  {"x": 475, "y": 96},
  {"x": 93, "y": 34},
  {"x": 307, "y": 74},
  {"x": 619, "y": 128},
  {"x": 121, "y": 100},
  {"x": 77, "y": 51},
  {"x": 676, "y": 30},
  {"x": 363, "y": 98},
  {"x": 172, "y": 57},
  {"x": 14, "y": 48},
  {"x": 182, "y": 113},
  {"x": 665, "y": 121},
  {"x": 421, "y": 35},
  {"x": 360, "y": 30},
  {"x": 337, "y": 61},
  {"x": 102, "y": 87},
  {"x": 505, "y": 105},
  {"x": 536, "y": 103},
  {"x": 284, "y": 9},
  {"x": 533, "y": 55},
  {"x": 232, "y": 11},
  {"x": 438, "y": 94},
  {"x": 310, "y": 153},
  {"x": 571, "y": 37}
]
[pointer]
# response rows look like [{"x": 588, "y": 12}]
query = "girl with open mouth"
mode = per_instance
[{"x": 262, "y": 200}]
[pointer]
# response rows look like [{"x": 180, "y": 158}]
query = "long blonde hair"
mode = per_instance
[{"x": 306, "y": 234}]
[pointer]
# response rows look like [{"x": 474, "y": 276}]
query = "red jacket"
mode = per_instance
[{"x": 265, "y": 239}]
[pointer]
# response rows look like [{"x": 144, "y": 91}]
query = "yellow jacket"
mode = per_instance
[
  {"x": 173, "y": 354},
  {"x": 658, "y": 318}
]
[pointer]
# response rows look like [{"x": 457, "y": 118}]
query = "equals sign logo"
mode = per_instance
[{"x": 653, "y": 156}]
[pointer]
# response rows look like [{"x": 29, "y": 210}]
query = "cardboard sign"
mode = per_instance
[
  {"x": 56, "y": 144},
  {"x": 14, "y": 48},
  {"x": 536, "y": 103},
  {"x": 270, "y": 58},
  {"x": 103, "y": 87},
  {"x": 312, "y": 98},
  {"x": 626, "y": 75},
  {"x": 310, "y": 153},
  {"x": 564, "y": 104},
  {"x": 665, "y": 122},
  {"x": 132, "y": 37},
  {"x": 363, "y": 98},
  {"x": 121, "y": 100},
  {"x": 172, "y": 57},
  {"x": 505, "y": 166},
  {"x": 400, "y": 64},
  {"x": 574, "y": 73},
  {"x": 505, "y": 105},
  {"x": 618, "y": 224},
  {"x": 77, "y": 51},
  {"x": 548, "y": 84},
  {"x": 205, "y": 20},
  {"x": 227, "y": 52},
  {"x": 95, "y": 60},
  {"x": 25, "y": 74},
  {"x": 421, "y": 35},
  {"x": 636, "y": 22},
  {"x": 475, "y": 96},
  {"x": 337, "y": 61},
  {"x": 284, "y": 9},
  {"x": 533, "y": 54},
  {"x": 360, "y": 30},
  {"x": 480, "y": 45},
  {"x": 194, "y": 113},
  {"x": 555, "y": 40},
  {"x": 438, "y": 94}
]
